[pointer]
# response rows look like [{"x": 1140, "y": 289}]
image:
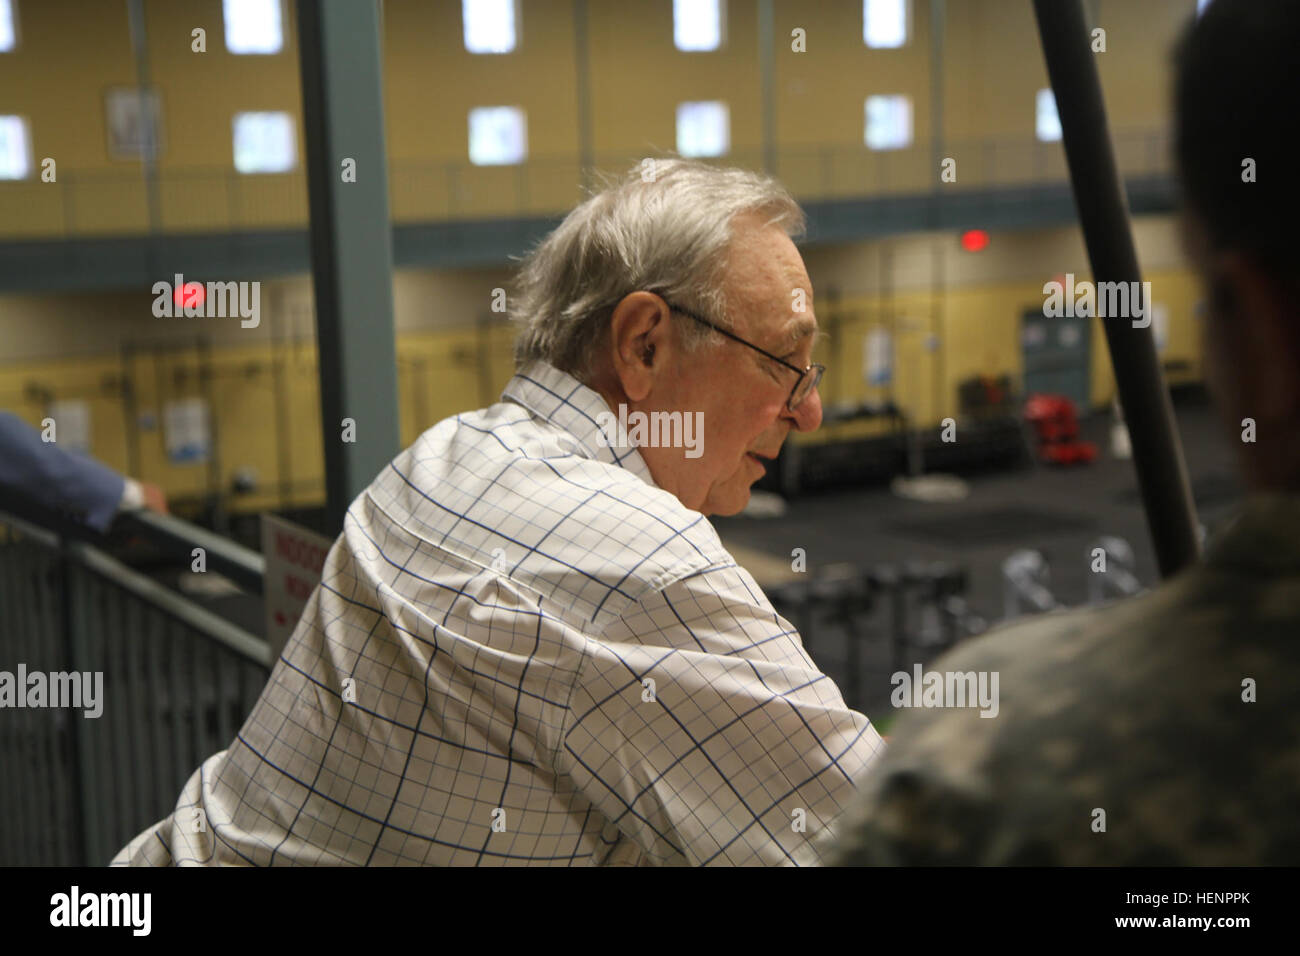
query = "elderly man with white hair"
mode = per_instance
[{"x": 529, "y": 645}]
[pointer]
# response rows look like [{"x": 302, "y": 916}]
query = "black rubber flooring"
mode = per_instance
[{"x": 1059, "y": 510}]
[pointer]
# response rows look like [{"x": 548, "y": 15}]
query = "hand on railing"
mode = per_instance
[
  {"x": 155, "y": 499},
  {"x": 141, "y": 495}
]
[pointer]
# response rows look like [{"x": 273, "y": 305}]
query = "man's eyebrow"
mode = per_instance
[{"x": 801, "y": 330}]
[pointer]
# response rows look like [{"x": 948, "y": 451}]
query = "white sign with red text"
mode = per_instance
[{"x": 294, "y": 558}]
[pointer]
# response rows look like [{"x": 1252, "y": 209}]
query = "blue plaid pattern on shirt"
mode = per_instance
[{"x": 522, "y": 651}]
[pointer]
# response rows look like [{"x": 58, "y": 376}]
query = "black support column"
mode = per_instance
[{"x": 1103, "y": 214}]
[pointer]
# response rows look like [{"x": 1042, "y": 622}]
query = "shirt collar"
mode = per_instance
[{"x": 559, "y": 398}]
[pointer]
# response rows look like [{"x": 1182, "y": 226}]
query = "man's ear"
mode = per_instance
[{"x": 639, "y": 334}]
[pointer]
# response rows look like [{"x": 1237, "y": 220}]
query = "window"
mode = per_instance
[
  {"x": 1046, "y": 123},
  {"x": 489, "y": 25},
  {"x": 884, "y": 23},
  {"x": 703, "y": 129},
  {"x": 15, "y": 148},
  {"x": 889, "y": 122},
  {"x": 697, "y": 24},
  {"x": 253, "y": 26},
  {"x": 498, "y": 136},
  {"x": 8, "y": 35},
  {"x": 265, "y": 143}
]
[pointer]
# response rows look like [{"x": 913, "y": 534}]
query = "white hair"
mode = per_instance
[{"x": 665, "y": 228}]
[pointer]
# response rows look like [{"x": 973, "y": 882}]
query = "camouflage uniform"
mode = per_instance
[{"x": 1136, "y": 708}]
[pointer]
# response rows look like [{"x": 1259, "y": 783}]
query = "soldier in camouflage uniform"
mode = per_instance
[{"x": 1164, "y": 729}]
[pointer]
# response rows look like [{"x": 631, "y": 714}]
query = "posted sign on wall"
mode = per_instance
[{"x": 294, "y": 558}]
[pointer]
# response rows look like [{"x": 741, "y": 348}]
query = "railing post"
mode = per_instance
[{"x": 80, "y": 795}]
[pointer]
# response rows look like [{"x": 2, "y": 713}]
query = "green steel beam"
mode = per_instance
[
  {"x": 351, "y": 243},
  {"x": 134, "y": 262}
]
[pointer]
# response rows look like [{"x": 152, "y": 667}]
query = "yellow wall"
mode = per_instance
[
  {"x": 978, "y": 333},
  {"x": 273, "y": 425},
  {"x": 257, "y": 420},
  {"x": 72, "y": 51},
  {"x": 70, "y": 345}
]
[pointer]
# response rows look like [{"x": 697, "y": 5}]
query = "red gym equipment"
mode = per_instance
[{"x": 1056, "y": 425}]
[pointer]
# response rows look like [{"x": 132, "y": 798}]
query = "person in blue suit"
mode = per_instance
[{"x": 66, "y": 482}]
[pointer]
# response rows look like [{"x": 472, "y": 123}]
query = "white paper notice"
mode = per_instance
[
  {"x": 185, "y": 423},
  {"x": 71, "y": 424},
  {"x": 877, "y": 357}
]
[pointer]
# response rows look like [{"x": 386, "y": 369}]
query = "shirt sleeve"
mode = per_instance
[
  {"x": 54, "y": 478},
  {"x": 132, "y": 496},
  {"x": 702, "y": 730}
]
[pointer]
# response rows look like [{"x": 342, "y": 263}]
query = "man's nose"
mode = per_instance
[{"x": 808, "y": 416}]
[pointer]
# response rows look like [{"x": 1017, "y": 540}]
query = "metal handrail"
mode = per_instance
[
  {"x": 234, "y": 638},
  {"x": 242, "y": 565},
  {"x": 228, "y": 635},
  {"x": 171, "y": 535},
  {"x": 173, "y": 683}
]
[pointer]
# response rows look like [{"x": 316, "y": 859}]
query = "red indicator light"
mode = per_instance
[
  {"x": 973, "y": 240},
  {"x": 191, "y": 294}
]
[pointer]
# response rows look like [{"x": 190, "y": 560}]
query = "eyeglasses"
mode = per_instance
[{"x": 809, "y": 378}]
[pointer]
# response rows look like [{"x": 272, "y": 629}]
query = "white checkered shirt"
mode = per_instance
[{"x": 523, "y": 651}]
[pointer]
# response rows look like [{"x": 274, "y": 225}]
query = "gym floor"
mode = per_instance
[{"x": 1058, "y": 510}]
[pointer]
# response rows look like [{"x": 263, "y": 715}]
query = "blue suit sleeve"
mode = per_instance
[{"x": 58, "y": 479}]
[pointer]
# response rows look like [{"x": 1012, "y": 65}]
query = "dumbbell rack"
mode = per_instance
[{"x": 884, "y": 601}]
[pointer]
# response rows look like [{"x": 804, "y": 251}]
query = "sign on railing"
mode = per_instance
[{"x": 294, "y": 558}]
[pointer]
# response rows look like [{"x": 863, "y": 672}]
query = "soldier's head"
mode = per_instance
[
  {"x": 679, "y": 295},
  {"x": 1236, "y": 96}
]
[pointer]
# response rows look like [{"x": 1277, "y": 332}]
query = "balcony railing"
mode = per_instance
[
  {"x": 89, "y": 203},
  {"x": 177, "y": 683}
]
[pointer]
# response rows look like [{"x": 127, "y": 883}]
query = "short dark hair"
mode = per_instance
[{"x": 1235, "y": 97}]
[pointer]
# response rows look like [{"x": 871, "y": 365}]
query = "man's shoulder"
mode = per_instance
[
  {"x": 544, "y": 458},
  {"x": 510, "y": 491}
]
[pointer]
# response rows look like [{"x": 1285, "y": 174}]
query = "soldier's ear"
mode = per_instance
[{"x": 1259, "y": 325}]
